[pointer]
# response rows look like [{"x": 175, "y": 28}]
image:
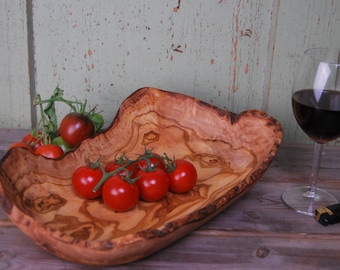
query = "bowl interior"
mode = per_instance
[{"x": 230, "y": 152}]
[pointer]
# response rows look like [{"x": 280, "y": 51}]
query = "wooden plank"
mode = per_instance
[
  {"x": 215, "y": 51},
  {"x": 9, "y": 136},
  {"x": 262, "y": 209},
  {"x": 15, "y": 109},
  {"x": 199, "y": 250},
  {"x": 240, "y": 248},
  {"x": 233, "y": 54}
]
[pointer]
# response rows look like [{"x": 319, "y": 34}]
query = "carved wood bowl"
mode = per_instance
[{"x": 230, "y": 152}]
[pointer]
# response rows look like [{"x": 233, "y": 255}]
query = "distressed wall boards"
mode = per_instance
[{"x": 233, "y": 54}]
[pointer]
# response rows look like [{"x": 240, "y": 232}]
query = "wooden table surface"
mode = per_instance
[{"x": 257, "y": 232}]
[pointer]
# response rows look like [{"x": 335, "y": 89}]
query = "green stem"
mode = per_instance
[
  {"x": 147, "y": 154},
  {"x": 107, "y": 175},
  {"x": 45, "y": 137},
  {"x": 169, "y": 163},
  {"x": 68, "y": 102}
]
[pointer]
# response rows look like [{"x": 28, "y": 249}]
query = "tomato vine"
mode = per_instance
[
  {"x": 49, "y": 117},
  {"x": 155, "y": 176},
  {"x": 47, "y": 137}
]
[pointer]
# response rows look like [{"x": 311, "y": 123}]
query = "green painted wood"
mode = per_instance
[
  {"x": 15, "y": 101},
  {"x": 235, "y": 54}
]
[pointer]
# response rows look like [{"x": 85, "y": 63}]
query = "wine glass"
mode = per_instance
[{"x": 316, "y": 107}]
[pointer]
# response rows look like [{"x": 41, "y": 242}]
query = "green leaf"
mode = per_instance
[{"x": 98, "y": 121}]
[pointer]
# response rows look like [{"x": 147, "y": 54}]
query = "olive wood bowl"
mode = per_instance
[{"x": 230, "y": 152}]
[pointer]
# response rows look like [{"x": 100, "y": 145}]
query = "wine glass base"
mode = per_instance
[{"x": 299, "y": 200}]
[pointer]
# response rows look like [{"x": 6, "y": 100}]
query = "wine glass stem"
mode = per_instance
[{"x": 311, "y": 192}]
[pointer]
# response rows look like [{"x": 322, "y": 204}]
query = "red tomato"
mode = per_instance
[
  {"x": 183, "y": 178},
  {"x": 84, "y": 179},
  {"x": 154, "y": 162},
  {"x": 49, "y": 151},
  {"x": 76, "y": 127},
  {"x": 120, "y": 195},
  {"x": 32, "y": 141},
  {"x": 152, "y": 185},
  {"x": 112, "y": 166},
  {"x": 20, "y": 144}
]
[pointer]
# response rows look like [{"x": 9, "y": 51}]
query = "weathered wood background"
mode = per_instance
[{"x": 234, "y": 54}]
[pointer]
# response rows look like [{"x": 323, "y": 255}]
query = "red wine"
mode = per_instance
[{"x": 320, "y": 120}]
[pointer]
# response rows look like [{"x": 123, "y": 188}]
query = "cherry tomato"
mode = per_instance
[
  {"x": 183, "y": 178},
  {"x": 112, "y": 166},
  {"x": 49, "y": 150},
  {"x": 62, "y": 144},
  {"x": 152, "y": 185},
  {"x": 120, "y": 195},
  {"x": 154, "y": 162},
  {"x": 20, "y": 144},
  {"x": 76, "y": 127},
  {"x": 84, "y": 179},
  {"x": 143, "y": 164},
  {"x": 32, "y": 141}
]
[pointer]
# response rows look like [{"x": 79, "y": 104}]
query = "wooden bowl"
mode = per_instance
[{"x": 230, "y": 152}]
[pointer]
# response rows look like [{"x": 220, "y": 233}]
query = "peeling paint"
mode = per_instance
[
  {"x": 178, "y": 6},
  {"x": 246, "y": 69},
  {"x": 177, "y": 48},
  {"x": 235, "y": 44},
  {"x": 189, "y": 46},
  {"x": 246, "y": 33}
]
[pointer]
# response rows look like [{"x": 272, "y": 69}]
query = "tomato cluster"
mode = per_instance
[
  {"x": 52, "y": 141},
  {"x": 122, "y": 183},
  {"x": 74, "y": 128}
]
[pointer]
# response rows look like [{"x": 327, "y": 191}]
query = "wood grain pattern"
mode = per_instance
[
  {"x": 230, "y": 152},
  {"x": 258, "y": 224}
]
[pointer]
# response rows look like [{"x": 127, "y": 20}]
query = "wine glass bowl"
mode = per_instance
[{"x": 316, "y": 107}]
